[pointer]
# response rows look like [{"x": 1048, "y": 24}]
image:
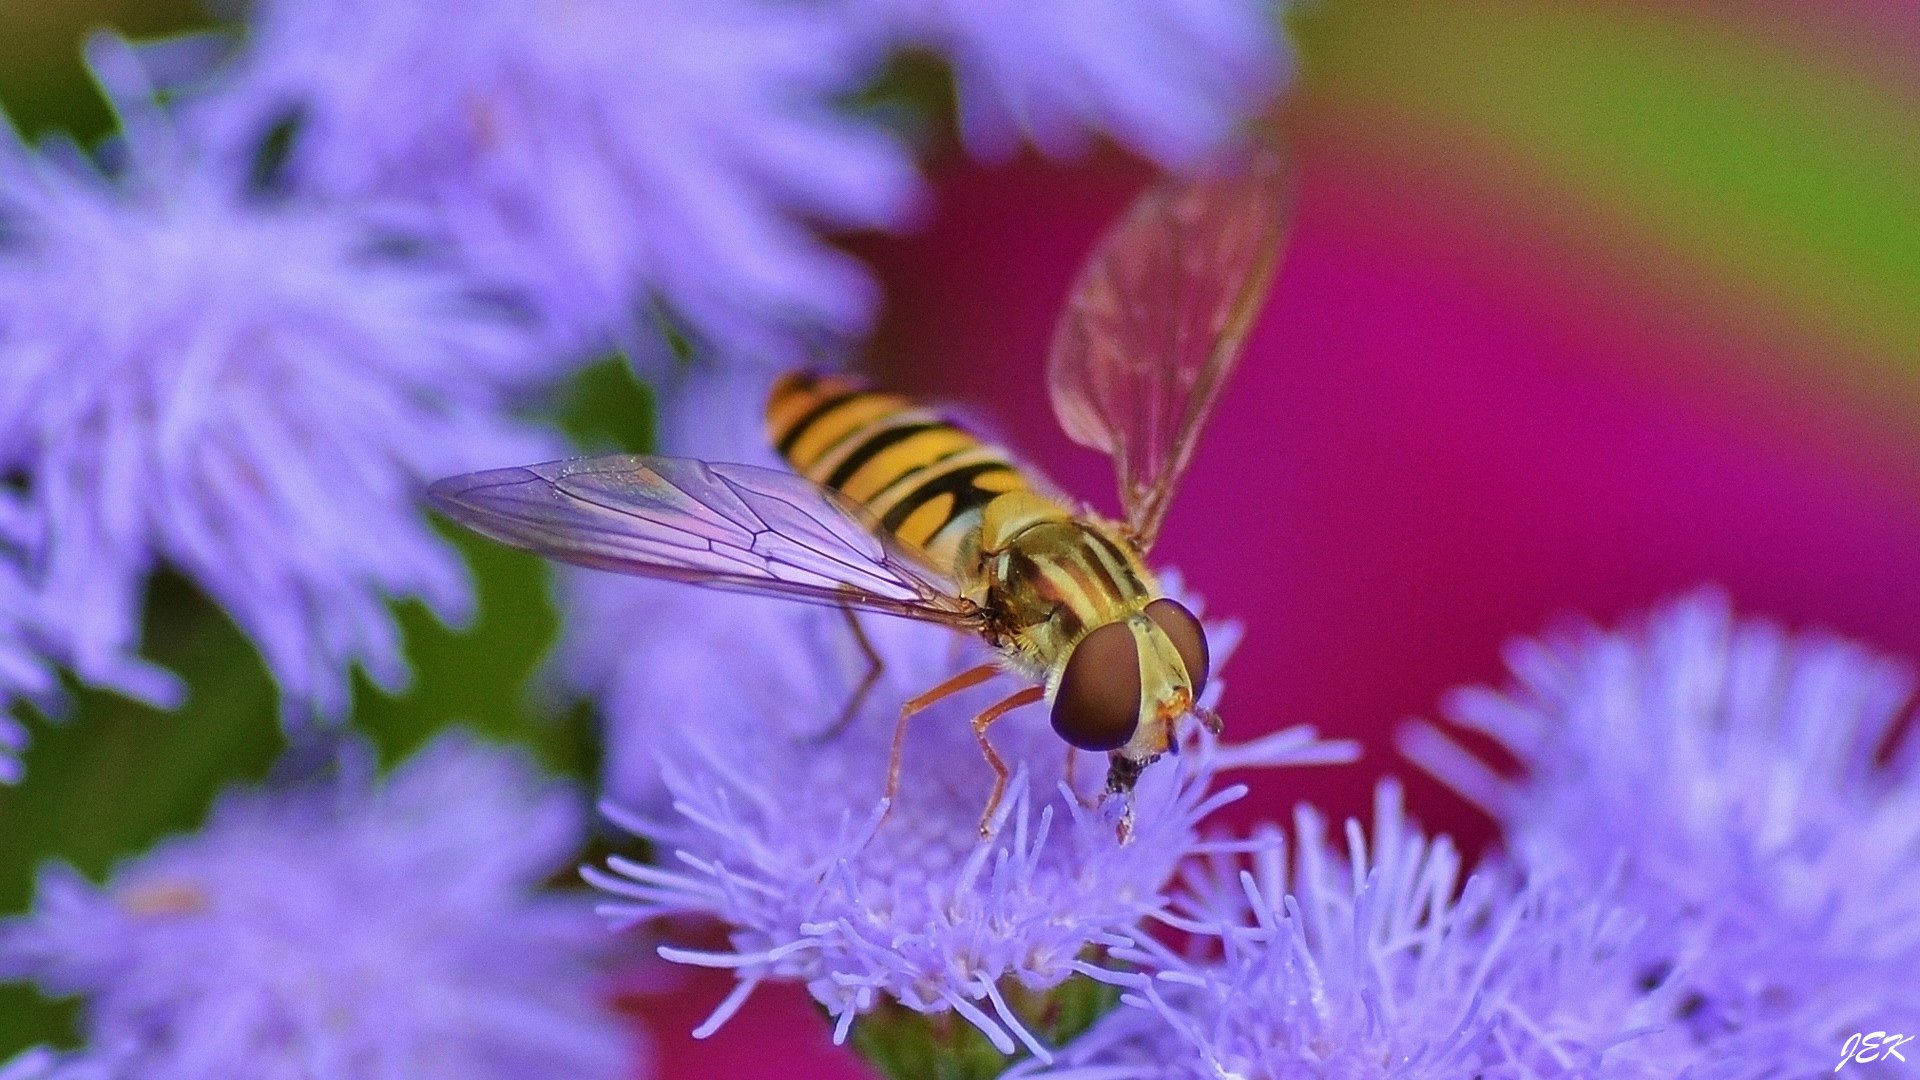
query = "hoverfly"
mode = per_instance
[{"x": 890, "y": 508}]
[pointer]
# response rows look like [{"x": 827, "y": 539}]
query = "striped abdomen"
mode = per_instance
[{"x": 926, "y": 481}]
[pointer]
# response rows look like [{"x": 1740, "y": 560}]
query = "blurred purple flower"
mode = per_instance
[
  {"x": 1745, "y": 778},
  {"x": 778, "y": 832},
  {"x": 25, "y": 673},
  {"x": 41, "y": 1063},
  {"x": 1169, "y": 78},
  {"x": 599, "y": 155},
  {"x": 33, "y": 639},
  {"x": 252, "y": 394},
  {"x": 647, "y": 652},
  {"x": 1374, "y": 963},
  {"x": 340, "y": 931}
]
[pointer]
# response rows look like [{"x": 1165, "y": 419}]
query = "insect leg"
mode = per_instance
[
  {"x": 875, "y": 666},
  {"x": 1073, "y": 757},
  {"x": 980, "y": 725},
  {"x": 967, "y": 679},
  {"x": 1122, "y": 773}
]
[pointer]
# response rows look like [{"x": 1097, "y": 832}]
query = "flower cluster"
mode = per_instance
[
  {"x": 613, "y": 161},
  {"x": 778, "y": 828},
  {"x": 1747, "y": 782},
  {"x": 249, "y": 381},
  {"x": 1171, "y": 78},
  {"x": 250, "y": 393},
  {"x": 241, "y": 356},
  {"x": 343, "y": 929},
  {"x": 601, "y": 157},
  {"x": 729, "y": 746},
  {"x": 1373, "y": 961}
]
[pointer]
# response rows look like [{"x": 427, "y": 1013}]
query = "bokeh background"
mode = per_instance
[{"x": 1586, "y": 303}]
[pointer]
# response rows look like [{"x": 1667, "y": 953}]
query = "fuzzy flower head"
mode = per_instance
[
  {"x": 604, "y": 157},
  {"x": 341, "y": 931},
  {"x": 720, "y": 712},
  {"x": 25, "y": 671},
  {"x": 1371, "y": 962},
  {"x": 1741, "y": 774},
  {"x": 252, "y": 394},
  {"x": 780, "y": 831},
  {"x": 1168, "y": 78}
]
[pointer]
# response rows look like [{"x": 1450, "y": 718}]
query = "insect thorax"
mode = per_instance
[{"x": 1047, "y": 576}]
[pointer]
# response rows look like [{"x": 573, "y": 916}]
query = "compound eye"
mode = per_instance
[
  {"x": 1181, "y": 628},
  {"x": 1098, "y": 704}
]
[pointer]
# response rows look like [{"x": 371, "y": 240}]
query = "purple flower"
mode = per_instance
[
  {"x": 778, "y": 828},
  {"x": 1169, "y": 78},
  {"x": 344, "y": 930},
  {"x": 648, "y": 652},
  {"x": 1373, "y": 962},
  {"x": 33, "y": 639},
  {"x": 41, "y": 1063},
  {"x": 717, "y": 709},
  {"x": 1746, "y": 780},
  {"x": 25, "y": 673},
  {"x": 603, "y": 156},
  {"x": 250, "y": 393}
]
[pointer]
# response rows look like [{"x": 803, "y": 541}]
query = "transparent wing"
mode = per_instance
[
  {"x": 735, "y": 527},
  {"x": 1157, "y": 318}
]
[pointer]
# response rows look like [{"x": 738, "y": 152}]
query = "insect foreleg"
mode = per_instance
[
  {"x": 967, "y": 679},
  {"x": 875, "y": 667},
  {"x": 980, "y": 725},
  {"x": 1073, "y": 786},
  {"x": 1122, "y": 774}
]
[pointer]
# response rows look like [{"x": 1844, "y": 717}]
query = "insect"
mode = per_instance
[{"x": 890, "y": 508}]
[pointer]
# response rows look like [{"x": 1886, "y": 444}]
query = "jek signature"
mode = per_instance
[{"x": 1872, "y": 1046}]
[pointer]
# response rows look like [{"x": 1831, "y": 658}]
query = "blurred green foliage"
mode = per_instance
[
  {"x": 44, "y": 85},
  {"x": 1773, "y": 170}
]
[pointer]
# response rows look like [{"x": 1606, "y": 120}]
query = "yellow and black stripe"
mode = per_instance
[{"x": 925, "y": 480}]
